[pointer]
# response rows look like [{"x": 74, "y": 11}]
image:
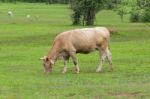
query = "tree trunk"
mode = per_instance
[
  {"x": 90, "y": 17},
  {"x": 76, "y": 18},
  {"x": 49, "y": 1}
]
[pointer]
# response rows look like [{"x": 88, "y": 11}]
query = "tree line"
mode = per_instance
[
  {"x": 36, "y": 1},
  {"x": 84, "y": 11}
]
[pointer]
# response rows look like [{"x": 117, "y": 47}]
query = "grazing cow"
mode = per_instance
[{"x": 69, "y": 43}]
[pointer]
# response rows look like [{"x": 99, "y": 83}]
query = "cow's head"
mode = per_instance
[{"x": 47, "y": 63}]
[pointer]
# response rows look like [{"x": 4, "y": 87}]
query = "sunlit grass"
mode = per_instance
[{"x": 23, "y": 41}]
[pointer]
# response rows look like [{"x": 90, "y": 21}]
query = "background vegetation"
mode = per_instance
[
  {"x": 36, "y": 1},
  {"x": 24, "y": 40},
  {"x": 84, "y": 11}
]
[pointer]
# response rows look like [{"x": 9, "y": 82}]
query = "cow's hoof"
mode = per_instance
[
  {"x": 63, "y": 72},
  {"x": 77, "y": 72},
  {"x": 99, "y": 71}
]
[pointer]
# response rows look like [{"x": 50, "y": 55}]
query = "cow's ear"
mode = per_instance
[
  {"x": 42, "y": 58},
  {"x": 45, "y": 58}
]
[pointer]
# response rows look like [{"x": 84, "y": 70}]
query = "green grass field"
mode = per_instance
[{"x": 23, "y": 41}]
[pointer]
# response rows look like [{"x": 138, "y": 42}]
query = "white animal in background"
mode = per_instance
[
  {"x": 28, "y": 16},
  {"x": 10, "y": 13}
]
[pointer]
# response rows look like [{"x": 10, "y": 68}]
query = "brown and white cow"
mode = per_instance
[{"x": 69, "y": 43}]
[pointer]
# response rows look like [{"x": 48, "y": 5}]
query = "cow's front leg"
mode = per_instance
[
  {"x": 109, "y": 57},
  {"x": 66, "y": 59},
  {"x": 75, "y": 61}
]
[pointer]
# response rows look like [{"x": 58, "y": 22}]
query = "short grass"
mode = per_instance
[{"x": 23, "y": 41}]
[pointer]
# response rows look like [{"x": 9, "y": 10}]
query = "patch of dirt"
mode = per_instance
[
  {"x": 134, "y": 94},
  {"x": 70, "y": 94}
]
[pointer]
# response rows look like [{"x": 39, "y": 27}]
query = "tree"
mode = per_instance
[
  {"x": 141, "y": 11},
  {"x": 48, "y": 1},
  {"x": 146, "y": 15},
  {"x": 14, "y": 1},
  {"x": 111, "y": 4},
  {"x": 121, "y": 12},
  {"x": 135, "y": 14},
  {"x": 75, "y": 6},
  {"x": 3, "y": 1},
  {"x": 143, "y": 3},
  {"x": 85, "y": 9}
]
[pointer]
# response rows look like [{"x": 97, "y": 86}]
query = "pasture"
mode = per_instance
[{"x": 24, "y": 40}]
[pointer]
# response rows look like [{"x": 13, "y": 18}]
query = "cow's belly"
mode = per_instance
[{"x": 86, "y": 49}]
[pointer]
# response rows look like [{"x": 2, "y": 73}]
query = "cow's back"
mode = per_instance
[{"x": 83, "y": 40}]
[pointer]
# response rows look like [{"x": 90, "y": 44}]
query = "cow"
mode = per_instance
[{"x": 67, "y": 44}]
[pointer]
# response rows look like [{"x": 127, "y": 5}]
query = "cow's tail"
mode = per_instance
[{"x": 112, "y": 30}]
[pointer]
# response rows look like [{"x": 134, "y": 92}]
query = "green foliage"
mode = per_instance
[
  {"x": 110, "y": 4},
  {"x": 146, "y": 15},
  {"x": 141, "y": 12},
  {"x": 121, "y": 8},
  {"x": 135, "y": 15},
  {"x": 121, "y": 12},
  {"x": 75, "y": 6},
  {"x": 85, "y": 9},
  {"x": 34, "y": 1},
  {"x": 143, "y": 3}
]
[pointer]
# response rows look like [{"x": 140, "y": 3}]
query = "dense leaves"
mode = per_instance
[
  {"x": 135, "y": 15},
  {"x": 141, "y": 12},
  {"x": 85, "y": 10},
  {"x": 33, "y": 1}
]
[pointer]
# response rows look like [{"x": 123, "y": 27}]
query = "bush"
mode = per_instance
[
  {"x": 146, "y": 15},
  {"x": 110, "y": 5},
  {"x": 135, "y": 15}
]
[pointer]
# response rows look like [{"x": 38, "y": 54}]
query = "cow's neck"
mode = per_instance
[{"x": 54, "y": 52}]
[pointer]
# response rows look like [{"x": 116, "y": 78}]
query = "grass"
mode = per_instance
[{"x": 23, "y": 41}]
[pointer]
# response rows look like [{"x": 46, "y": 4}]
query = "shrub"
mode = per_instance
[
  {"x": 121, "y": 12},
  {"x": 146, "y": 15},
  {"x": 135, "y": 15}
]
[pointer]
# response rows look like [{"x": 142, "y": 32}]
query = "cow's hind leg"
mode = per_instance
[
  {"x": 109, "y": 59},
  {"x": 66, "y": 59},
  {"x": 75, "y": 61},
  {"x": 103, "y": 56}
]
